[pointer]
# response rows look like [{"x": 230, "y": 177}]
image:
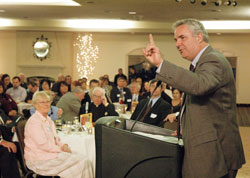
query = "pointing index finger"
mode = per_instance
[{"x": 151, "y": 39}]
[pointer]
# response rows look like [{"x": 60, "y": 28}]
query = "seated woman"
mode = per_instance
[
  {"x": 7, "y": 103},
  {"x": 54, "y": 112},
  {"x": 45, "y": 85},
  {"x": 175, "y": 111},
  {"x": 176, "y": 101},
  {"x": 43, "y": 152},
  {"x": 63, "y": 89},
  {"x": 6, "y": 81}
]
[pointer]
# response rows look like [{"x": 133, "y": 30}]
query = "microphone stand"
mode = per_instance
[{"x": 146, "y": 104}]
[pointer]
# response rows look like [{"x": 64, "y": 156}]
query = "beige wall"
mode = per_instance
[
  {"x": 8, "y": 52},
  {"x": 113, "y": 54}
]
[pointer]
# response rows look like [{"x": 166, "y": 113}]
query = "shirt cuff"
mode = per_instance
[{"x": 159, "y": 68}]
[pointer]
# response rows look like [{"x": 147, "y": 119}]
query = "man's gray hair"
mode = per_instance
[
  {"x": 98, "y": 89},
  {"x": 39, "y": 95},
  {"x": 194, "y": 25},
  {"x": 77, "y": 89}
]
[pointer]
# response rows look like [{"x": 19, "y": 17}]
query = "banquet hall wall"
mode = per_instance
[{"x": 16, "y": 54}]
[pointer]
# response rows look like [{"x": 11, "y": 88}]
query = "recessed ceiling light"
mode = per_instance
[{"x": 132, "y": 13}]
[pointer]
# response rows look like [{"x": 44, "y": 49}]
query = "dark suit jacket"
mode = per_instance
[
  {"x": 156, "y": 114},
  {"x": 100, "y": 111},
  {"x": 210, "y": 132},
  {"x": 115, "y": 94}
]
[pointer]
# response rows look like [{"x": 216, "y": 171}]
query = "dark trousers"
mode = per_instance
[
  {"x": 8, "y": 164},
  {"x": 231, "y": 174}
]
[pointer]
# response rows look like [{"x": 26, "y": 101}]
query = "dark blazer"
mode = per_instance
[
  {"x": 156, "y": 114},
  {"x": 100, "y": 111},
  {"x": 210, "y": 131},
  {"x": 115, "y": 94}
]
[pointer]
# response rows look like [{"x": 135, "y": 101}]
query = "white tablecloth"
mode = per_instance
[
  {"x": 81, "y": 143},
  {"x": 127, "y": 115}
]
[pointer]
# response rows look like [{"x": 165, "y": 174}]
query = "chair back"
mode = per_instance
[{"x": 20, "y": 135}]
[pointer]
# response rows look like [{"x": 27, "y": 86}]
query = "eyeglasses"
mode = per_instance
[
  {"x": 97, "y": 96},
  {"x": 44, "y": 102}
]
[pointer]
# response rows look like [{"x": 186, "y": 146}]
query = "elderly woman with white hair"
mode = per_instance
[{"x": 44, "y": 153}]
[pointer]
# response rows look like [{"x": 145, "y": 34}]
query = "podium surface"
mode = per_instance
[{"x": 146, "y": 152}]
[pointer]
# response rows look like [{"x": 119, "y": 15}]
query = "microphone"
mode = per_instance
[
  {"x": 86, "y": 107},
  {"x": 146, "y": 104},
  {"x": 157, "y": 85}
]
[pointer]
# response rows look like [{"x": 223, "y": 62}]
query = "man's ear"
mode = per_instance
[{"x": 200, "y": 37}]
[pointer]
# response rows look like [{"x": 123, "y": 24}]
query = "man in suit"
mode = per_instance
[
  {"x": 156, "y": 110},
  {"x": 121, "y": 94},
  {"x": 9, "y": 151},
  {"x": 212, "y": 141},
  {"x": 100, "y": 106},
  {"x": 120, "y": 74},
  {"x": 70, "y": 103}
]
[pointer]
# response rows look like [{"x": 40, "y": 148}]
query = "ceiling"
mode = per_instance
[{"x": 152, "y": 15}]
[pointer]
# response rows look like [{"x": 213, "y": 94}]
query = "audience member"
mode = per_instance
[
  {"x": 43, "y": 152},
  {"x": 56, "y": 85},
  {"x": 33, "y": 87},
  {"x": 135, "y": 89},
  {"x": 68, "y": 80},
  {"x": 140, "y": 81},
  {"x": 99, "y": 107},
  {"x": 71, "y": 103},
  {"x": 107, "y": 77},
  {"x": 164, "y": 95},
  {"x": 23, "y": 80},
  {"x": 6, "y": 81},
  {"x": 176, "y": 101},
  {"x": 17, "y": 92},
  {"x": 8, "y": 161},
  {"x": 104, "y": 83},
  {"x": 7, "y": 103},
  {"x": 120, "y": 74},
  {"x": 132, "y": 74},
  {"x": 63, "y": 89},
  {"x": 54, "y": 112},
  {"x": 121, "y": 94},
  {"x": 44, "y": 85},
  {"x": 156, "y": 110},
  {"x": 146, "y": 90}
]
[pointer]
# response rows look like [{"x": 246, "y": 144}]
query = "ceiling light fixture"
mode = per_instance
[
  {"x": 192, "y": 1},
  {"x": 218, "y": 2},
  {"x": 234, "y": 3},
  {"x": 227, "y": 3},
  {"x": 204, "y": 2},
  {"x": 43, "y": 2}
]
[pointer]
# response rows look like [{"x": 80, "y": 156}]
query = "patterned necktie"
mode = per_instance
[
  {"x": 146, "y": 111},
  {"x": 191, "y": 68}
]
